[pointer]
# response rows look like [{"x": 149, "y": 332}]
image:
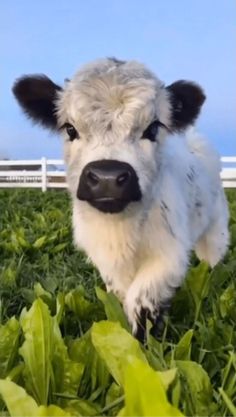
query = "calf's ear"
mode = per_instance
[
  {"x": 37, "y": 94},
  {"x": 186, "y": 100}
]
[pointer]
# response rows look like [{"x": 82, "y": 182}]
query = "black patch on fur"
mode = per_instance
[
  {"x": 157, "y": 318},
  {"x": 36, "y": 95},
  {"x": 158, "y": 324},
  {"x": 164, "y": 214},
  {"x": 141, "y": 326},
  {"x": 199, "y": 206},
  {"x": 191, "y": 174},
  {"x": 186, "y": 99}
]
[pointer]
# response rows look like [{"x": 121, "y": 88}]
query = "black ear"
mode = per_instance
[
  {"x": 186, "y": 100},
  {"x": 36, "y": 94}
]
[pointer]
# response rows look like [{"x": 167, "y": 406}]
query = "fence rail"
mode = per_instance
[
  {"x": 36, "y": 173},
  {"x": 228, "y": 172},
  {"x": 50, "y": 173}
]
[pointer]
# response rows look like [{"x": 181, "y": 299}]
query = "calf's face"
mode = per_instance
[{"x": 114, "y": 117}]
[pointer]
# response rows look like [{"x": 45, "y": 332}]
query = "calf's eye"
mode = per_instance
[
  {"x": 151, "y": 131},
  {"x": 71, "y": 131}
]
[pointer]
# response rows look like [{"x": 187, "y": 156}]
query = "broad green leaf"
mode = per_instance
[
  {"x": 8, "y": 277},
  {"x": 37, "y": 349},
  {"x": 227, "y": 302},
  {"x": 96, "y": 375},
  {"x": 114, "y": 345},
  {"x": 59, "y": 248},
  {"x": 18, "y": 240},
  {"x": 22, "y": 242},
  {"x": 76, "y": 302},
  {"x": 167, "y": 377},
  {"x": 19, "y": 403},
  {"x": 79, "y": 348},
  {"x": 175, "y": 393},
  {"x": 144, "y": 392},
  {"x": 198, "y": 282},
  {"x": 155, "y": 353},
  {"x": 44, "y": 295},
  {"x": 113, "y": 308},
  {"x": 183, "y": 348},
  {"x": 83, "y": 408},
  {"x": 40, "y": 242},
  {"x": 16, "y": 372},
  {"x": 51, "y": 411},
  {"x": 28, "y": 295},
  {"x": 9, "y": 340},
  {"x": 67, "y": 373},
  {"x": 51, "y": 283},
  {"x": 41, "y": 292},
  {"x": 221, "y": 273},
  {"x": 197, "y": 390}
]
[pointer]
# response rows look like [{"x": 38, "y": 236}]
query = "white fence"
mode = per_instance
[
  {"x": 45, "y": 173},
  {"x": 42, "y": 173},
  {"x": 228, "y": 172}
]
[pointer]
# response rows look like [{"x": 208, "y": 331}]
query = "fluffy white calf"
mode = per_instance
[{"x": 142, "y": 198}]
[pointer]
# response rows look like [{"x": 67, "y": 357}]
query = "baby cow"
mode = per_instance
[{"x": 142, "y": 197}]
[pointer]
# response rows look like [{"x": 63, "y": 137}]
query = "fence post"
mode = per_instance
[{"x": 44, "y": 173}]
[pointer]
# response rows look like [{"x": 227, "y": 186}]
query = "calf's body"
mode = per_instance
[
  {"x": 143, "y": 255},
  {"x": 142, "y": 197}
]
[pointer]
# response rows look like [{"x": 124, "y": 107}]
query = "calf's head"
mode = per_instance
[{"x": 114, "y": 117}]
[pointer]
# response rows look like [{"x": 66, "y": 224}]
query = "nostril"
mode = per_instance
[
  {"x": 93, "y": 178},
  {"x": 123, "y": 178}
]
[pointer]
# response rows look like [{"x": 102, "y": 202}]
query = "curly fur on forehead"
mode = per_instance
[{"x": 107, "y": 94}]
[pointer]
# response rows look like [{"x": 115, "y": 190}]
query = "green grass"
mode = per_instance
[
  {"x": 39, "y": 261},
  {"x": 36, "y": 245}
]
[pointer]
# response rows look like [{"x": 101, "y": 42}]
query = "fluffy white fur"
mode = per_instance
[{"x": 143, "y": 252}]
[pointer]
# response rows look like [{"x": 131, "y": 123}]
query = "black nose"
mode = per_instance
[{"x": 109, "y": 185}]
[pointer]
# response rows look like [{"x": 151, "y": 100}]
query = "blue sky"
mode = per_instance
[{"x": 177, "y": 39}]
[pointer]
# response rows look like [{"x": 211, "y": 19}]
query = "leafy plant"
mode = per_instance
[{"x": 65, "y": 344}]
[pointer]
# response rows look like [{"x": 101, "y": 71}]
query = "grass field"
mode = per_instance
[{"x": 65, "y": 345}]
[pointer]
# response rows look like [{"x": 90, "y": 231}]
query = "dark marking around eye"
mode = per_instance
[
  {"x": 71, "y": 131},
  {"x": 152, "y": 130}
]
